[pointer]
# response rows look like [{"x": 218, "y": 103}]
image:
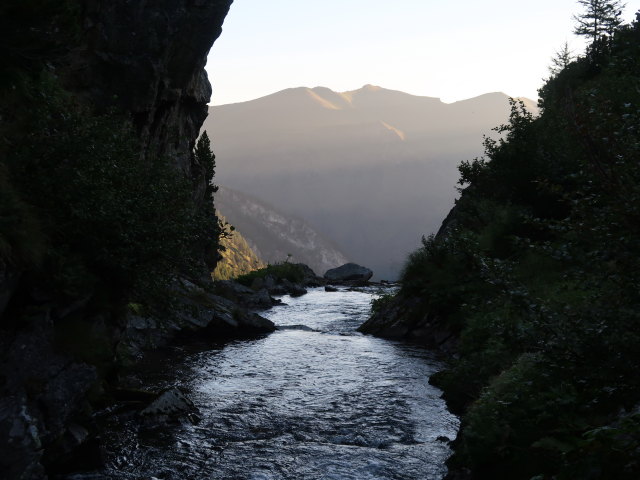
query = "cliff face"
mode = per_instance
[
  {"x": 148, "y": 58},
  {"x": 143, "y": 58}
]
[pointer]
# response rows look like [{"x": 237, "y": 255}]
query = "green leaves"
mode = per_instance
[
  {"x": 538, "y": 269},
  {"x": 112, "y": 221}
]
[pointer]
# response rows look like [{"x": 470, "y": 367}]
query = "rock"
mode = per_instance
[
  {"x": 231, "y": 320},
  {"x": 148, "y": 63},
  {"x": 268, "y": 282},
  {"x": 245, "y": 296},
  {"x": 309, "y": 277},
  {"x": 197, "y": 311},
  {"x": 42, "y": 390},
  {"x": 349, "y": 272},
  {"x": 169, "y": 405},
  {"x": 8, "y": 284},
  {"x": 293, "y": 289},
  {"x": 402, "y": 319},
  {"x": 329, "y": 288}
]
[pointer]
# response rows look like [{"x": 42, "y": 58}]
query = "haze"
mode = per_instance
[
  {"x": 450, "y": 50},
  {"x": 372, "y": 169}
]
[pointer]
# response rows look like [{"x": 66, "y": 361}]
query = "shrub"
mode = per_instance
[{"x": 113, "y": 222}]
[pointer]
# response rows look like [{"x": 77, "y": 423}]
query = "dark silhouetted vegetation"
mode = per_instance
[
  {"x": 83, "y": 215},
  {"x": 538, "y": 273},
  {"x": 293, "y": 272}
]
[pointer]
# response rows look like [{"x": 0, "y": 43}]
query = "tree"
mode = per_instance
[
  {"x": 215, "y": 228},
  {"x": 207, "y": 161},
  {"x": 600, "y": 18},
  {"x": 562, "y": 58}
]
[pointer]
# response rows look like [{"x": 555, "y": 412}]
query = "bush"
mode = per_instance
[
  {"x": 112, "y": 222},
  {"x": 292, "y": 272},
  {"x": 538, "y": 271}
]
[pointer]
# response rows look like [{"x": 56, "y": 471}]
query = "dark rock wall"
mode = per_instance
[{"x": 146, "y": 58}]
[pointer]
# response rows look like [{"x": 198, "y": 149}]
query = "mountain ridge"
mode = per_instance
[{"x": 372, "y": 169}]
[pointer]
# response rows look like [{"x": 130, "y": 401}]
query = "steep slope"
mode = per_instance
[
  {"x": 372, "y": 169},
  {"x": 533, "y": 280},
  {"x": 273, "y": 236},
  {"x": 101, "y": 105},
  {"x": 238, "y": 257}
]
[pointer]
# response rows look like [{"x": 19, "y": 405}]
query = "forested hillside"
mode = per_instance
[{"x": 536, "y": 273}]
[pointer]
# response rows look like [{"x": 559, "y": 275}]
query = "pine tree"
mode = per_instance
[
  {"x": 207, "y": 161},
  {"x": 216, "y": 228},
  {"x": 600, "y": 18},
  {"x": 562, "y": 58}
]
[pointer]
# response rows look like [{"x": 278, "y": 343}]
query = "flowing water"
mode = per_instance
[{"x": 314, "y": 400}]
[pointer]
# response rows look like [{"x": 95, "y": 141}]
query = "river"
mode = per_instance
[{"x": 313, "y": 400}]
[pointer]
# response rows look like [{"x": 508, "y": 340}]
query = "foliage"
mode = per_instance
[
  {"x": 537, "y": 270},
  {"x": 600, "y": 17},
  {"x": 84, "y": 215},
  {"x": 562, "y": 59},
  {"x": 215, "y": 228},
  {"x": 294, "y": 272},
  {"x": 380, "y": 302}
]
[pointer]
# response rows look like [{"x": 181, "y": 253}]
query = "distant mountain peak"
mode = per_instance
[{"x": 322, "y": 101}]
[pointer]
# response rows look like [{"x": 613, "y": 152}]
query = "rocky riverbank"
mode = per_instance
[{"x": 62, "y": 367}]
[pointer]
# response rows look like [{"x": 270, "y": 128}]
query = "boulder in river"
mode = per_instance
[
  {"x": 170, "y": 404},
  {"x": 349, "y": 272}
]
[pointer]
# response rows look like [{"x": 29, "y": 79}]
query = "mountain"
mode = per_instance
[
  {"x": 238, "y": 257},
  {"x": 372, "y": 169},
  {"x": 273, "y": 235}
]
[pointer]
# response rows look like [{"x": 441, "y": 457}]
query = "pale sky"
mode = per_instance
[{"x": 447, "y": 49}]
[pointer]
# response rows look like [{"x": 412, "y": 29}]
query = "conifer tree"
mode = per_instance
[
  {"x": 562, "y": 58},
  {"x": 600, "y": 18},
  {"x": 207, "y": 161}
]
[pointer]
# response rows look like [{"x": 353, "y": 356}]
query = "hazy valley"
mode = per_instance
[
  {"x": 275, "y": 237},
  {"x": 372, "y": 170}
]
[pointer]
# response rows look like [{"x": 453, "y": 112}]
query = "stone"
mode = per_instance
[
  {"x": 293, "y": 289},
  {"x": 170, "y": 404},
  {"x": 349, "y": 272},
  {"x": 245, "y": 296}
]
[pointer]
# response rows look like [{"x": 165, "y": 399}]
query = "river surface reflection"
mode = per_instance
[{"x": 314, "y": 400}]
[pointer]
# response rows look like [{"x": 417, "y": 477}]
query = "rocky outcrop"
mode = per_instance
[
  {"x": 255, "y": 298},
  {"x": 149, "y": 61},
  {"x": 146, "y": 61},
  {"x": 42, "y": 392},
  {"x": 198, "y": 311},
  {"x": 349, "y": 272},
  {"x": 169, "y": 405},
  {"x": 259, "y": 294},
  {"x": 401, "y": 319}
]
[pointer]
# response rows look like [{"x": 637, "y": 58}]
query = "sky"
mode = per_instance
[{"x": 436, "y": 48}]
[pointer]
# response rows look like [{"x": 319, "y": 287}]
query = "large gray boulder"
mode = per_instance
[{"x": 349, "y": 272}]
